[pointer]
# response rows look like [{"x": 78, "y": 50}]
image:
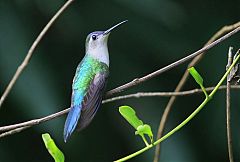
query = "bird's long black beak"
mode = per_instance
[{"x": 115, "y": 26}]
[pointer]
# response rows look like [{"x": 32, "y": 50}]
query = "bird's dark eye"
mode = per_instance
[{"x": 94, "y": 37}]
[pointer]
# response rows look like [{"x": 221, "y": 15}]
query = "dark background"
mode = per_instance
[{"x": 158, "y": 33}]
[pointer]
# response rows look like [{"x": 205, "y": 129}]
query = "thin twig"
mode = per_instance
[
  {"x": 31, "y": 50},
  {"x": 181, "y": 83},
  {"x": 17, "y": 130},
  {"x": 170, "y": 66},
  {"x": 228, "y": 108},
  {"x": 164, "y": 94},
  {"x": 34, "y": 121},
  {"x": 11, "y": 128},
  {"x": 229, "y": 134}
]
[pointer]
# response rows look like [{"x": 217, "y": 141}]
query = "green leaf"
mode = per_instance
[
  {"x": 52, "y": 148},
  {"x": 196, "y": 76},
  {"x": 130, "y": 115},
  {"x": 141, "y": 129},
  {"x": 145, "y": 129}
]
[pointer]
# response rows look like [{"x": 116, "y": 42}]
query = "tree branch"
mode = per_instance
[
  {"x": 165, "y": 94},
  {"x": 170, "y": 66},
  {"x": 229, "y": 132},
  {"x": 228, "y": 108},
  {"x": 181, "y": 83},
  {"x": 16, "y": 128},
  {"x": 34, "y": 121},
  {"x": 31, "y": 50}
]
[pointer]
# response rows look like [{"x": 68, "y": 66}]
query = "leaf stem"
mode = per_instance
[
  {"x": 204, "y": 91},
  {"x": 144, "y": 139},
  {"x": 207, "y": 99}
]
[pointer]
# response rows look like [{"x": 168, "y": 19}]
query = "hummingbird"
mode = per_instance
[{"x": 89, "y": 82}]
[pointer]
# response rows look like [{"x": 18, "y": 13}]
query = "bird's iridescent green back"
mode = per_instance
[{"x": 85, "y": 73}]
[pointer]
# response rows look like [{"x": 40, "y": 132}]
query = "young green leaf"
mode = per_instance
[
  {"x": 198, "y": 79},
  {"x": 141, "y": 129},
  {"x": 52, "y": 148},
  {"x": 145, "y": 129},
  {"x": 130, "y": 115},
  {"x": 196, "y": 76}
]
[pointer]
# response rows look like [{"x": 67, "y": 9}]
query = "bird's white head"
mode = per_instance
[{"x": 96, "y": 44}]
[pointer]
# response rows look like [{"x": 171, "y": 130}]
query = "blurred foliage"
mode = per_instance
[
  {"x": 53, "y": 150},
  {"x": 158, "y": 33}
]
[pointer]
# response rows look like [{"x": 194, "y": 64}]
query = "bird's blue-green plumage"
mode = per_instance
[{"x": 87, "y": 91}]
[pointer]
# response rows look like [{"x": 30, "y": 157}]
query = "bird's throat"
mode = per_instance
[{"x": 100, "y": 54}]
